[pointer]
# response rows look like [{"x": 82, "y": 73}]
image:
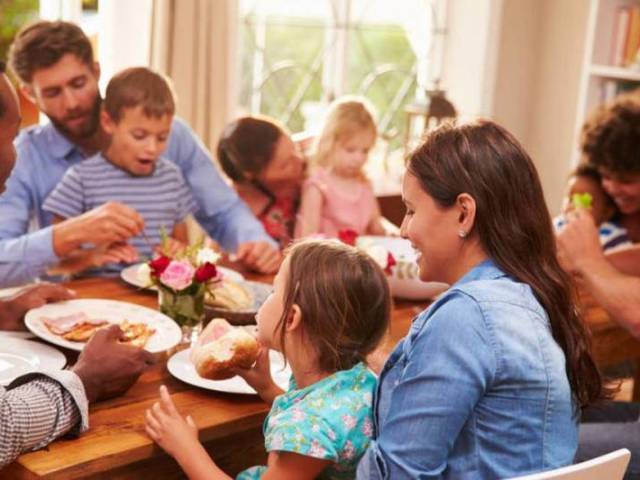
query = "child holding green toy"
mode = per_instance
[{"x": 584, "y": 190}]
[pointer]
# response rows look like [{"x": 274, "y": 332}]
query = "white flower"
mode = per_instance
[
  {"x": 144, "y": 274},
  {"x": 316, "y": 450},
  {"x": 349, "y": 421},
  {"x": 367, "y": 428},
  {"x": 206, "y": 255},
  {"x": 349, "y": 451},
  {"x": 298, "y": 415},
  {"x": 277, "y": 441}
]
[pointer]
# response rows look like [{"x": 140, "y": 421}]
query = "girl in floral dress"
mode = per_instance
[{"x": 329, "y": 309}]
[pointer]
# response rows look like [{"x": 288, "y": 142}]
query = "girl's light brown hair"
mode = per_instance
[
  {"x": 344, "y": 299},
  {"x": 347, "y": 116},
  {"x": 513, "y": 225}
]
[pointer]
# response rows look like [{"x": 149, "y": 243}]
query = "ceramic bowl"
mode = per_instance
[{"x": 404, "y": 280}]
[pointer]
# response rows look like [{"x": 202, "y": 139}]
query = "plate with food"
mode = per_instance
[
  {"x": 18, "y": 357},
  {"x": 220, "y": 348},
  {"x": 71, "y": 324},
  {"x": 138, "y": 275},
  {"x": 404, "y": 279},
  {"x": 235, "y": 301}
]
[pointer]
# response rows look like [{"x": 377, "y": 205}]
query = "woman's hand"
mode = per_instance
[
  {"x": 164, "y": 424},
  {"x": 259, "y": 377}
]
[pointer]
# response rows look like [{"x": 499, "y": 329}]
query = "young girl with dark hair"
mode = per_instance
[
  {"x": 330, "y": 308},
  {"x": 267, "y": 170},
  {"x": 491, "y": 377}
]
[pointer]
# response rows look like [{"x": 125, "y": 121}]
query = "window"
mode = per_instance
[{"x": 298, "y": 55}]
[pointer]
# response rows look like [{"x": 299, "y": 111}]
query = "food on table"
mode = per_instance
[
  {"x": 230, "y": 295},
  {"x": 136, "y": 334},
  {"x": 221, "y": 348},
  {"x": 78, "y": 327}
]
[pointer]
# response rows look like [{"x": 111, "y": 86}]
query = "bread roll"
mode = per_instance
[
  {"x": 230, "y": 295},
  {"x": 221, "y": 348}
]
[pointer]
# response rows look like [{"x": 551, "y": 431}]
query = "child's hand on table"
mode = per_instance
[{"x": 164, "y": 424}]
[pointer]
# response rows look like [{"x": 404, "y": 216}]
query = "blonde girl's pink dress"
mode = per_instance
[{"x": 340, "y": 210}]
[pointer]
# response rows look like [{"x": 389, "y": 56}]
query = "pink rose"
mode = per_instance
[{"x": 178, "y": 275}]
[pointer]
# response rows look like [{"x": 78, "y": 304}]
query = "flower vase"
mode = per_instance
[{"x": 186, "y": 308}]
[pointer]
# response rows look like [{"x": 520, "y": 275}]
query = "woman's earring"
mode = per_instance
[{"x": 462, "y": 233}]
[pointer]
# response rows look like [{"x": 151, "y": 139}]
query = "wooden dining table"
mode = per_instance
[{"x": 230, "y": 425}]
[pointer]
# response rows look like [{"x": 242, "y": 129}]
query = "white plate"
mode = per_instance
[
  {"x": 7, "y": 292},
  {"x": 167, "y": 333},
  {"x": 18, "y": 357},
  {"x": 405, "y": 280},
  {"x": 130, "y": 276},
  {"x": 7, "y": 334},
  {"x": 180, "y": 366}
]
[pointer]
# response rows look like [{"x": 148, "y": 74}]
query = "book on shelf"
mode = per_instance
[
  {"x": 633, "y": 38},
  {"x": 620, "y": 33},
  {"x": 626, "y": 36}
]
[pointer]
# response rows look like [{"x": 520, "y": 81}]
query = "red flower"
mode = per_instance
[
  {"x": 159, "y": 265},
  {"x": 205, "y": 272},
  {"x": 391, "y": 261},
  {"x": 348, "y": 236}
]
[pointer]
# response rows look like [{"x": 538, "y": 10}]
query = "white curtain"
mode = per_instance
[{"x": 194, "y": 43}]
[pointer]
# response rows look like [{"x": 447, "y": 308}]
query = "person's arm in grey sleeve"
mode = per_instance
[{"x": 37, "y": 409}]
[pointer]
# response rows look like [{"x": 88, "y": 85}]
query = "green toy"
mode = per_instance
[{"x": 582, "y": 200}]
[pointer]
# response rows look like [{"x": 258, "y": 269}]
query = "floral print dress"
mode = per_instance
[{"x": 331, "y": 420}]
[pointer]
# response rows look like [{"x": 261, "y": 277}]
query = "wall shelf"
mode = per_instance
[{"x": 615, "y": 73}]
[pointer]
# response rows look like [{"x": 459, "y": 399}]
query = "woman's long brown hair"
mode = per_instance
[{"x": 513, "y": 225}]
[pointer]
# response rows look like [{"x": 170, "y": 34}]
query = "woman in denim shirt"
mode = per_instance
[{"x": 489, "y": 381}]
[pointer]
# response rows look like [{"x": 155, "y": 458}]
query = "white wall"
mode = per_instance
[
  {"x": 517, "y": 65},
  {"x": 469, "y": 57},
  {"x": 553, "y": 119},
  {"x": 125, "y": 36},
  {"x": 540, "y": 54}
]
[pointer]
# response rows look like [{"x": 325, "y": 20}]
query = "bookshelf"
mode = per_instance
[{"x": 608, "y": 68}]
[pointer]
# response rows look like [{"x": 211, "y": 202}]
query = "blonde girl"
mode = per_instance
[
  {"x": 338, "y": 195},
  {"x": 330, "y": 308}
]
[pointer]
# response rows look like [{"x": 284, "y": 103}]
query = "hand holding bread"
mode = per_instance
[{"x": 221, "y": 349}]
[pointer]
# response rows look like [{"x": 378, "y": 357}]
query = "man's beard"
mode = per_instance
[{"x": 85, "y": 130}]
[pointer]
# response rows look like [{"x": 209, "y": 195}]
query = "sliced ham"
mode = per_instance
[{"x": 66, "y": 323}]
